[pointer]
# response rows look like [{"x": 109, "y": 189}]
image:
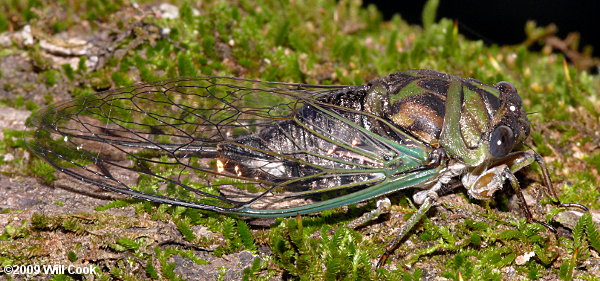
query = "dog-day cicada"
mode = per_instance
[{"x": 268, "y": 149}]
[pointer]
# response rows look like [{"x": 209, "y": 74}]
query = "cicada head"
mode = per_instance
[{"x": 511, "y": 126}]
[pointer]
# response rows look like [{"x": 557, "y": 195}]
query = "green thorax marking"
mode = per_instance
[{"x": 466, "y": 125}]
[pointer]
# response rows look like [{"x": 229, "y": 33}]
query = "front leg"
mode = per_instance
[
  {"x": 483, "y": 185},
  {"x": 492, "y": 180},
  {"x": 518, "y": 160}
]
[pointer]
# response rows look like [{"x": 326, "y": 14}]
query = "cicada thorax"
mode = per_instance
[{"x": 452, "y": 112}]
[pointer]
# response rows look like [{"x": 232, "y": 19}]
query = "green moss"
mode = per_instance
[
  {"x": 69, "y": 72},
  {"x": 8, "y": 86},
  {"x": 43, "y": 170},
  {"x": 51, "y": 77},
  {"x": 39, "y": 62},
  {"x": 3, "y": 23},
  {"x": 340, "y": 254},
  {"x": 185, "y": 230},
  {"x": 121, "y": 79},
  {"x": 594, "y": 160},
  {"x": 14, "y": 232},
  {"x": 186, "y": 67},
  {"x": 72, "y": 256},
  {"x": 61, "y": 277},
  {"x": 127, "y": 244}
]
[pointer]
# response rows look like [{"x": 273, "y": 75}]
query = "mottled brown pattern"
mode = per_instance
[
  {"x": 422, "y": 114},
  {"x": 421, "y": 120}
]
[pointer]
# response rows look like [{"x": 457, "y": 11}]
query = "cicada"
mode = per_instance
[{"x": 268, "y": 149}]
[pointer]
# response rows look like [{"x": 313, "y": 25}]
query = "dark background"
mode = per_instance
[{"x": 503, "y": 21}]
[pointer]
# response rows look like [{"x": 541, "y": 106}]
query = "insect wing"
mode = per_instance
[{"x": 228, "y": 145}]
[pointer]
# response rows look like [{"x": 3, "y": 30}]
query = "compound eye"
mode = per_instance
[{"x": 502, "y": 141}]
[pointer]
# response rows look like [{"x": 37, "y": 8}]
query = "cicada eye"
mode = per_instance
[{"x": 502, "y": 141}]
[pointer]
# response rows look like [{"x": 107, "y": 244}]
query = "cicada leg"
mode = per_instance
[
  {"x": 493, "y": 179},
  {"x": 384, "y": 205},
  {"x": 410, "y": 224},
  {"x": 548, "y": 183},
  {"x": 518, "y": 160}
]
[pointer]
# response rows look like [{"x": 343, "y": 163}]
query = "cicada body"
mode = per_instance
[{"x": 268, "y": 149}]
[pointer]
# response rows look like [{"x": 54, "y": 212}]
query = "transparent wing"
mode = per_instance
[{"x": 229, "y": 145}]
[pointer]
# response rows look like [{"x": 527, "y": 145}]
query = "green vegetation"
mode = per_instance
[{"x": 316, "y": 42}]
